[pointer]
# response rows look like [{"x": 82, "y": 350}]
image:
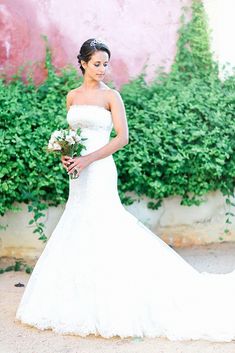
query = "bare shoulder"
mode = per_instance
[
  {"x": 114, "y": 94},
  {"x": 115, "y": 99},
  {"x": 72, "y": 93},
  {"x": 70, "y": 97}
]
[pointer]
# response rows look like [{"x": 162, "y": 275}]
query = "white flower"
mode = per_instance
[
  {"x": 63, "y": 140},
  {"x": 72, "y": 133},
  {"x": 50, "y": 146},
  {"x": 56, "y": 146},
  {"x": 52, "y": 140},
  {"x": 77, "y": 138},
  {"x": 70, "y": 140},
  {"x": 57, "y": 134}
]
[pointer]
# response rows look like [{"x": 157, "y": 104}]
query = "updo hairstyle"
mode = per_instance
[{"x": 88, "y": 48}]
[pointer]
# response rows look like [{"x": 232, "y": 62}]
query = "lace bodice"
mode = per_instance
[
  {"x": 92, "y": 117},
  {"x": 95, "y": 122}
]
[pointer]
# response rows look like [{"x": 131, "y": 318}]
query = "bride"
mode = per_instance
[{"x": 102, "y": 271}]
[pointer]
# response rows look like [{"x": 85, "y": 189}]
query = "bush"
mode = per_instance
[
  {"x": 181, "y": 140},
  {"x": 28, "y": 116}
]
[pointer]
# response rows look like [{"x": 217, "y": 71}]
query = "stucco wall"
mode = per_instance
[
  {"x": 221, "y": 22},
  {"x": 178, "y": 225},
  {"x": 137, "y": 33}
]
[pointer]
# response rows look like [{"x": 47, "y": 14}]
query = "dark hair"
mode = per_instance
[{"x": 88, "y": 48}]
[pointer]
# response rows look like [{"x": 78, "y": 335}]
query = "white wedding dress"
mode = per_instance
[{"x": 103, "y": 272}]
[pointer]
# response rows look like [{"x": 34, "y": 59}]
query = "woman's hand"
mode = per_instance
[
  {"x": 76, "y": 163},
  {"x": 65, "y": 161}
]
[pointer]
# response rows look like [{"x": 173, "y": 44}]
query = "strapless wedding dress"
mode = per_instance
[{"x": 103, "y": 272}]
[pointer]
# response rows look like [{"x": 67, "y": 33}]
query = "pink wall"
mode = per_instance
[{"x": 137, "y": 32}]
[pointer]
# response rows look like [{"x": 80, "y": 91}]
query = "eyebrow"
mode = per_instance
[{"x": 98, "y": 61}]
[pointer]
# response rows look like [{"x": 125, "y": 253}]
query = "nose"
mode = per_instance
[{"x": 102, "y": 72}]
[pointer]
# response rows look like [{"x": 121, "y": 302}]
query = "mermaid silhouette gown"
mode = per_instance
[{"x": 103, "y": 272}]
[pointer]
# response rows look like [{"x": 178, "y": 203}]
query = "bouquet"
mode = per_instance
[{"x": 68, "y": 143}]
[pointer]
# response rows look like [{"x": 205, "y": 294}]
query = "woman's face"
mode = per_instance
[{"x": 97, "y": 65}]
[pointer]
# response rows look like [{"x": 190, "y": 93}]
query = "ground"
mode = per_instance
[{"x": 19, "y": 338}]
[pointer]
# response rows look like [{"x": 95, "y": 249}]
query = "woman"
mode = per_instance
[
  {"x": 93, "y": 65},
  {"x": 102, "y": 271}
]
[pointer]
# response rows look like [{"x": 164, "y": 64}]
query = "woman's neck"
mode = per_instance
[{"x": 89, "y": 84}]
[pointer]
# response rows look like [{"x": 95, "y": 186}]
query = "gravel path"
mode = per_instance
[{"x": 18, "y": 338}]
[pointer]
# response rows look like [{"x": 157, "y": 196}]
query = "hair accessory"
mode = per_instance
[{"x": 94, "y": 42}]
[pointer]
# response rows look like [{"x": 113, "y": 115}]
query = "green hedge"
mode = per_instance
[
  {"x": 181, "y": 131},
  {"x": 29, "y": 114},
  {"x": 181, "y": 140}
]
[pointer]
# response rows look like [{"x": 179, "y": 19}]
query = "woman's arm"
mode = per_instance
[
  {"x": 121, "y": 128},
  {"x": 69, "y": 101}
]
